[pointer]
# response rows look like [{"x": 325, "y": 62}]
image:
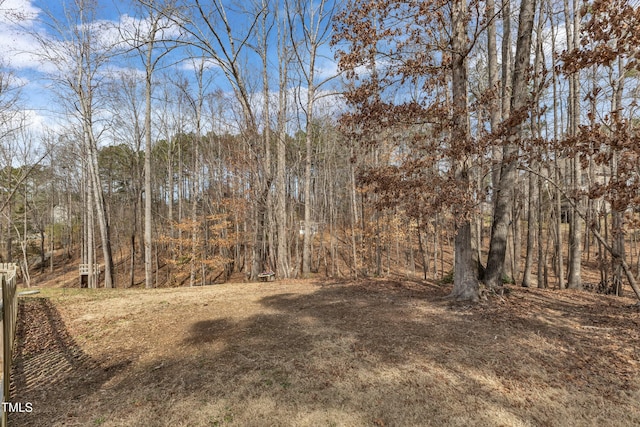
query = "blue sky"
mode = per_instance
[
  {"x": 18, "y": 52},
  {"x": 20, "y": 23},
  {"x": 18, "y": 48}
]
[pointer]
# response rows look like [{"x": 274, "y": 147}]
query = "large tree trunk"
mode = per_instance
[
  {"x": 495, "y": 110},
  {"x": 576, "y": 234},
  {"x": 97, "y": 194},
  {"x": 90, "y": 227},
  {"x": 498, "y": 149},
  {"x": 534, "y": 216},
  {"x": 105, "y": 229},
  {"x": 558, "y": 264},
  {"x": 507, "y": 60},
  {"x": 148, "y": 263},
  {"x": 508, "y": 174},
  {"x": 465, "y": 281},
  {"x": 617, "y": 217},
  {"x": 149, "y": 68},
  {"x": 281, "y": 189},
  {"x": 268, "y": 217}
]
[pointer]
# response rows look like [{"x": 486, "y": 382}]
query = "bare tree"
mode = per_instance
[
  {"x": 10, "y": 124},
  {"x": 127, "y": 129},
  {"x": 210, "y": 29},
  {"x": 149, "y": 33},
  {"x": 76, "y": 46},
  {"x": 310, "y": 29}
]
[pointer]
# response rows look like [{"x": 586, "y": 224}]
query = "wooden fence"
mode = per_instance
[{"x": 9, "y": 308}]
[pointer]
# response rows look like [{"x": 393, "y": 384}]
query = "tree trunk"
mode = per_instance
[
  {"x": 542, "y": 254},
  {"x": 90, "y": 241},
  {"x": 354, "y": 218},
  {"x": 495, "y": 110},
  {"x": 105, "y": 229},
  {"x": 574, "y": 279},
  {"x": 465, "y": 281},
  {"x": 531, "y": 231},
  {"x": 534, "y": 211},
  {"x": 306, "y": 239},
  {"x": 9, "y": 230},
  {"x": 148, "y": 272},
  {"x": 423, "y": 252},
  {"x": 281, "y": 189},
  {"x": 25, "y": 259},
  {"x": 558, "y": 229},
  {"x": 507, "y": 61},
  {"x": 617, "y": 217},
  {"x": 508, "y": 173},
  {"x": 148, "y": 262},
  {"x": 42, "y": 253},
  {"x": 132, "y": 261}
]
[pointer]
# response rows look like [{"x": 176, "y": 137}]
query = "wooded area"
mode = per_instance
[{"x": 199, "y": 142}]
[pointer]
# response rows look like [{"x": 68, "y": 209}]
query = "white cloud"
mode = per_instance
[
  {"x": 132, "y": 30},
  {"x": 560, "y": 33},
  {"x": 12, "y": 11},
  {"x": 194, "y": 64},
  {"x": 116, "y": 72},
  {"x": 16, "y": 17},
  {"x": 327, "y": 69},
  {"x": 41, "y": 121}
]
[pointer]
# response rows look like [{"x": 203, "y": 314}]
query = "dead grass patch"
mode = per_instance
[{"x": 378, "y": 353}]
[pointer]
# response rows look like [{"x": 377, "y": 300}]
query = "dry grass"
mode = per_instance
[{"x": 373, "y": 353}]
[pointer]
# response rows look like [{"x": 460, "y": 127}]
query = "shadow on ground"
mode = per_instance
[
  {"x": 390, "y": 353},
  {"x": 49, "y": 369},
  {"x": 378, "y": 353}
]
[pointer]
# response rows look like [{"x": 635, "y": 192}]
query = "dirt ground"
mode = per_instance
[{"x": 311, "y": 353}]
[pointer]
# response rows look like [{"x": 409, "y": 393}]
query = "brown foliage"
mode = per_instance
[
  {"x": 610, "y": 38},
  {"x": 610, "y": 32},
  {"x": 397, "y": 57}
]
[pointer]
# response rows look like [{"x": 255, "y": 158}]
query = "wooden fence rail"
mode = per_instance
[{"x": 9, "y": 308}]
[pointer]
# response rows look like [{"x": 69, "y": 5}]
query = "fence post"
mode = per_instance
[
  {"x": 9, "y": 308},
  {"x": 5, "y": 383}
]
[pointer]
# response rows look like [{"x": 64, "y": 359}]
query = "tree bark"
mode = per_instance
[
  {"x": 281, "y": 189},
  {"x": 465, "y": 282},
  {"x": 495, "y": 110},
  {"x": 508, "y": 174},
  {"x": 507, "y": 61},
  {"x": 576, "y": 235},
  {"x": 148, "y": 262},
  {"x": 531, "y": 231}
]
